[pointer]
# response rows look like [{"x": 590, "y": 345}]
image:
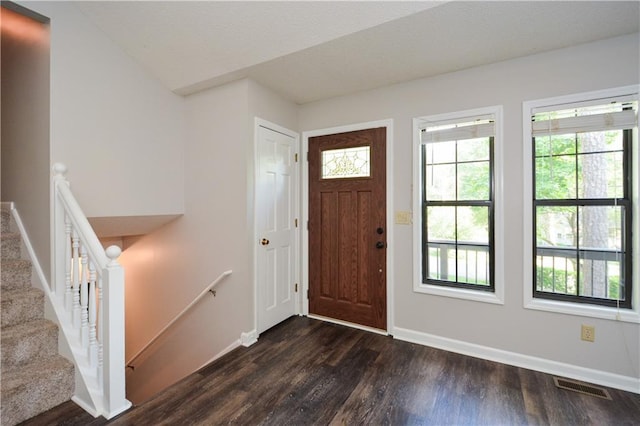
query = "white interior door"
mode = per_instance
[{"x": 276, "y": 207}]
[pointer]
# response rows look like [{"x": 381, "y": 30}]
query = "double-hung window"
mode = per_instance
[
  {"x": 456, "y": 193},
  {"x": 582, "y": 187}
]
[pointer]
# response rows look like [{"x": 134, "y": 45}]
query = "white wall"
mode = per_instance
[
  {"x": 511, "y": 328},
  {"x": 25, "y": 126},
  {"x": 118, "y": 130},
  {"x": 165, "y": 270}
]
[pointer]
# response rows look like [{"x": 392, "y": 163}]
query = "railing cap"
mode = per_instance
[{"x": 113, "y": 252}]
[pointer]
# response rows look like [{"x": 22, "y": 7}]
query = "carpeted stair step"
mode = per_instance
[
  {"x": 34, "y": 377},
  {"x": 35, "y": 388},
  {"x": 15, "y": 273},
  {"x": 21, "y": 305},
  {"x": 28, "y": 342},
  {"x": 10, "y": 243}
]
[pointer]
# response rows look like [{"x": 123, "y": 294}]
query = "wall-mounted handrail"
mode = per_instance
[{"x": 207, "y": 289}]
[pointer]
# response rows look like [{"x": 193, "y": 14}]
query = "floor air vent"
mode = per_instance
[{"x": 581, "y": 387}]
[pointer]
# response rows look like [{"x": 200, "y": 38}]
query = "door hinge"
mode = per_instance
[
  {"x": 307, "y": 156},
  {"x": 296, "y": 157},
  {"x": 295, "y": 221},
  {"x": 307, "y": 294},
  {"x": 296, "y": 288}
]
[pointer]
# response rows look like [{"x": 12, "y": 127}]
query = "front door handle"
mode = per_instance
[
  {"x": 380, "y": 245},
  {"x": 264, "y": 242}
]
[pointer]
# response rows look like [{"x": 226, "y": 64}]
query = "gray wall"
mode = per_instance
[
  {"x": 25, "y": 126},
  {"x": 508, "y": 327},
  {"x": 165, "y": 270},
  {"x": 118, "y": 130},
  {"x": 134, "y": 148}
]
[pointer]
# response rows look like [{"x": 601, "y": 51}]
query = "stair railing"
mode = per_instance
[
  {"x": 87, "y": 293},
  {"x": 208, "y": 289}
]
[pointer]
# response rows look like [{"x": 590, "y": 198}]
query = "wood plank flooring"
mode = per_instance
[{"x": 307, "y": 372}]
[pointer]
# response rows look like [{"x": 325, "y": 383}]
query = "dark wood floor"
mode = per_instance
[{"x": 305, "y": 372}]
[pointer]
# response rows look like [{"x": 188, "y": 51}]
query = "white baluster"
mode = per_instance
[
  {"x": 93, "y": 342},
  {"x": 84, "y": 299},
  {"x": 68, "y": 294},
  {"x": 75, "y": 244},
  {"x": 100, "y": 336},
  {"x": 89, "y": 284},
  {"x": 60, "y": 266}
]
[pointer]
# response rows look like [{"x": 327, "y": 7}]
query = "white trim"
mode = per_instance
[
  {"x": 232, "y": 346},
  {"x": 580, "y": 309},
  {"x": 7, "y": 205},
  {"x": 497, "y": 296},
  {"x": 86, "y": 406},
  {"x": 388, "y": 123},
  {"x": 249, "y": 338},
  {"x": 584, "y": 98},
  {"x": 40, "y": 281},
  {"x": 626, "y": 383},
  {"x": 259, "y": 122}
]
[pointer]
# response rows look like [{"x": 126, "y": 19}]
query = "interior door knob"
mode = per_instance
[{"x": 264, "y": 242}]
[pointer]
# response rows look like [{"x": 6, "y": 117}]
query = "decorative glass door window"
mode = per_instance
[{"x": 346, "y": 163}]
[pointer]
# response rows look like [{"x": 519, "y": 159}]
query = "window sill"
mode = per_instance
[
  {"x": 624, "y": 315},
  {"x": 460, "y": 293}
]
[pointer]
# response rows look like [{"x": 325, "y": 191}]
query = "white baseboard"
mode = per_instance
[
  {"x": 38, "y": 279},
  {"x": 249, "y": 338},
  {"x": 603, "y": 378},
  {"x": 220, "y": 354},
  {"x": 246, "y": 339},
  {"x": 85, "y": 406}
]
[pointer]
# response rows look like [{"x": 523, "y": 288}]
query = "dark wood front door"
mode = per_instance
[{"x": 347, "y": 227}]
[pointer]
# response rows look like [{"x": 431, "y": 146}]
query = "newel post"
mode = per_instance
[
  {"x": 115, "y": 401},
  {"x": 58, "y": 242}
]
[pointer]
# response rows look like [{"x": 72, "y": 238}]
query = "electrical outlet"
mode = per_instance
[{"x": 588, "y": 333}]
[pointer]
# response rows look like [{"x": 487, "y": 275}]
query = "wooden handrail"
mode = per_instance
[{"x": 177, "y": 317}]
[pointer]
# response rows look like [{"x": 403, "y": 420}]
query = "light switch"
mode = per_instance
[{"x": 403, "y": 217}]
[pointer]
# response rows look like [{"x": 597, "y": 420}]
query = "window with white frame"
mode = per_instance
[
  {"x": 455, "y": 162},
  {"x": 580, "y": 150}
]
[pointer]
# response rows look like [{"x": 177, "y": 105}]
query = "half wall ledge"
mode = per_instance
[{"x": 126, "y": 226}]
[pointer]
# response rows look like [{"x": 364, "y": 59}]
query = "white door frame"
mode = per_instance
[
  {"x": 388, "y": 123},
  {"x": 259, "y": 122}
]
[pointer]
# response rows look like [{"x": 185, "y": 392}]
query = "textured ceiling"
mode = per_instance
[{"x": 313, "y": 50}]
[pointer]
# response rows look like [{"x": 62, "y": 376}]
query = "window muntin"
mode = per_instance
[
  {"x": 457, "y": 203},
  {"x": 582, "y": 202}
]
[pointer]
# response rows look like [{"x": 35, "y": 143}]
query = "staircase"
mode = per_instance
[{"x": 34, "y": 378}]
